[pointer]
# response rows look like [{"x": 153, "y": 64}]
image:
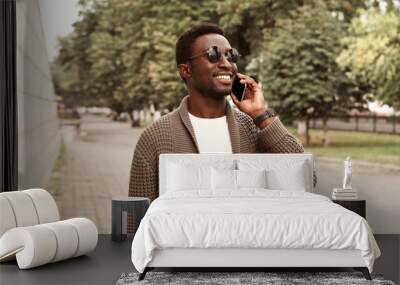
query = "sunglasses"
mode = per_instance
[{"x": 214, "y": 55}]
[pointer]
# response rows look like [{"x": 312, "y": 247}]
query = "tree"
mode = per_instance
[
  {"x": 91, "y": 54},
  {"x": 298, "y": 69},
  {"x": 63, "y": 82},
  {"x": 372, "y": 53},
  {"x": 122, "y": 52}
]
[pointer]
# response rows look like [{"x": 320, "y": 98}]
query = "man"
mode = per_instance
[{"x": 204, "y": 121}]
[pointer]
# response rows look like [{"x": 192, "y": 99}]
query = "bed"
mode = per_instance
[{"x": 247, "y": 211}]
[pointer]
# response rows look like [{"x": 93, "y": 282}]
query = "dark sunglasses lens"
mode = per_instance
[
  {"x": 213, "y": 54},
  {"x": 232, "y": 55}
]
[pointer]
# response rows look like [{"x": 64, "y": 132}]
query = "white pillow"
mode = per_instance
[
  {"x": 252, "y": 178},
  {"x": 285, "y": 174},
  {"x": 223, "y": 179},
  {"x": 226, "y": 179},
  {"x": 182, "y": 177},
  {"x": 293, "y": 180}
]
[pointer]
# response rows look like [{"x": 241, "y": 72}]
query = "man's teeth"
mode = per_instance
[{"x": 226, "y": 77}]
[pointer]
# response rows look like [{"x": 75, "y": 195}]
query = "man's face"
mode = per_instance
[{"x": 211, "y": 79}]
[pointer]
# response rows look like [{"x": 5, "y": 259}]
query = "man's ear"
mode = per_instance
[{"x": 185, "y": 71}]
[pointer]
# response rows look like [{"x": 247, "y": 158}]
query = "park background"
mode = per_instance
[
  {"x": 321, "y": 63},
  {"x": 331, "y": 70}
]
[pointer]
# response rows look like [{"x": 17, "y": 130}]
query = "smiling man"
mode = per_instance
[{"x": 205, "y": 122}]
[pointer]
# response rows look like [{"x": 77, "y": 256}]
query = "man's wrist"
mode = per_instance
[
  {"x": 257, "y": 113},
  {"x": 266, "y": 123},
  {"x": 264, "y": 119}
]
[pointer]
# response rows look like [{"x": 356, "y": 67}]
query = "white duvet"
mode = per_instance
[{"x": 250, "y": 219}]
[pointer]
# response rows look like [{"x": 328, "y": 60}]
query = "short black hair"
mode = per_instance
[{"x": 183, "y": 47}]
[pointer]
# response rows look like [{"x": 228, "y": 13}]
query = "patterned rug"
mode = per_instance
[{"x": 242, "y": 278}]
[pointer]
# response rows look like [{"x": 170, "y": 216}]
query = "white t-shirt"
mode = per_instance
[{"x": 212, "y": 135}]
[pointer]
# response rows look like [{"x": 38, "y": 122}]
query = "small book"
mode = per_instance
[
  {"x": 341, "y": 190},
  {"x": 345, "y": 197},
  {"x": 344, "y": 194}
]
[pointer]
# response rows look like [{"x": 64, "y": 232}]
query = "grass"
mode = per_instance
[
  {"x": 371, "y": 147},
  {"x": 54, "y": 186}
]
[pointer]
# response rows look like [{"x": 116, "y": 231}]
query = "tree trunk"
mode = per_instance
[
  {"x": 325, "y": 139},
  {"x": 303, "y": 131}
]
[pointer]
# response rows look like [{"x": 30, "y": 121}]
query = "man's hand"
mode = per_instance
[{"x": 253, "y": 103}]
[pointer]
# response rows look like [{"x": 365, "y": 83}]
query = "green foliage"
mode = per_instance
[
  {"x": 297, "y": 66},
  {"x": 122, "y": 52},
  {"x": 373, "y": 53}
]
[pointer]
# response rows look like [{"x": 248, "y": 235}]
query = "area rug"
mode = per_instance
[{"x": 243, "y": 278}]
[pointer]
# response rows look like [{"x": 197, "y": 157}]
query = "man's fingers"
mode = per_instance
[
  {"x": 250, "y": 82},
  {"x": 245, "y": 79}
]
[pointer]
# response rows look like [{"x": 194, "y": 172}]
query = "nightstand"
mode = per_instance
[
  {"x": 357, "y": 206},
  {"x": 121, "y": 206}
]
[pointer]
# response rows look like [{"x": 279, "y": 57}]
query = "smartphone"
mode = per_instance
[{"x": 238, "y": 89}]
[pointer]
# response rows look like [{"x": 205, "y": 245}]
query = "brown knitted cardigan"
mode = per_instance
[{"x": 173, "y": 133}]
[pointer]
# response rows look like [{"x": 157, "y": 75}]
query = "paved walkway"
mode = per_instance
[{"x": 96, "y": 168}]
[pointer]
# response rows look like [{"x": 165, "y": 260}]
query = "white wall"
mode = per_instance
[{"x": 38, "y": 126}]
